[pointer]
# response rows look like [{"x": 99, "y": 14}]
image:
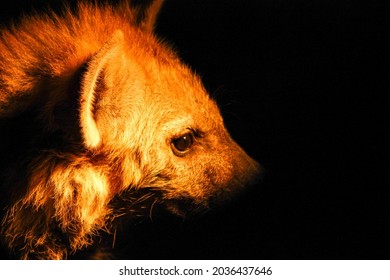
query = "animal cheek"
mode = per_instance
[{"x": 127, "y": 171}]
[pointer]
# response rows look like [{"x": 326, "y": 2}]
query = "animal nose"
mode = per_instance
[
  {"x": 255, "y": 173},
  {"x": 247, "y": 170},
  {"x": 258, "y": 177}
]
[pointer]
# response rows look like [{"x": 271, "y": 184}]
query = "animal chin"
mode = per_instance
[{"x": 185, "y": 207}]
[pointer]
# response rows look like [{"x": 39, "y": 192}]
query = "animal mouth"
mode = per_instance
[
  {"x": 134, "y": 204},
  {"x": 184, "y": 207},
  {"x": 150, "y": 202}
]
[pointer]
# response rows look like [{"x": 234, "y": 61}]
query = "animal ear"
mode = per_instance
[
  {"x": 147, "y": 16},
  {"x": 94, "y": 85}
]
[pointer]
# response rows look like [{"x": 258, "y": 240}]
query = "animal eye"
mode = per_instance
[{"x": 182, "y": 144}]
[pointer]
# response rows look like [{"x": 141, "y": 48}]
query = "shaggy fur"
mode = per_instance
[{"x": 100, "y": 120}]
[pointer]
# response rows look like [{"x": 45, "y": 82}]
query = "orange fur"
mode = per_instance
[{"x": 104, "y": 103}]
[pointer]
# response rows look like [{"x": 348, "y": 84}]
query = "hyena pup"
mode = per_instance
[{"x": 100, "y": 120}]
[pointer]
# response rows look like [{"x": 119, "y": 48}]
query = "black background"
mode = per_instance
[{"x": 303, "y": 86}]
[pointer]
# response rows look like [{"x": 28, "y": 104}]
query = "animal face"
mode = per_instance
[
  {"x": 118, "y": 122},
  {"x": 166, "y": 129}
]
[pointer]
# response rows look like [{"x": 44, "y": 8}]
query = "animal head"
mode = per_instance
[
  {"x": 140, "y": 127},
  {"x": 150, "y": 111}
]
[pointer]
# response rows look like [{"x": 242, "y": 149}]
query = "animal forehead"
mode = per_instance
[
  {"x": 171, "y": 86},
  {"x": 186, "y": 99},
  {"x": 176, "y": 81},
  {"x": 180, "y": 116},
  {"x": 163, "y": 71}
]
